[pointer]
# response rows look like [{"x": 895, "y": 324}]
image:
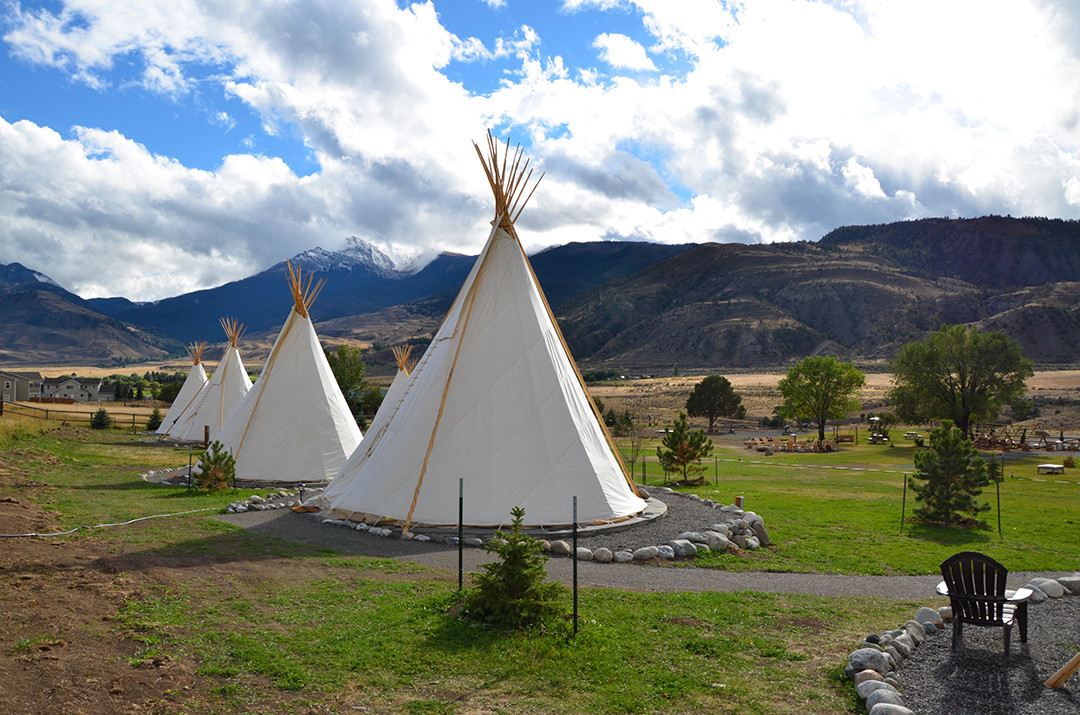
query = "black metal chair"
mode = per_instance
[{"x": 975, "y": 585}]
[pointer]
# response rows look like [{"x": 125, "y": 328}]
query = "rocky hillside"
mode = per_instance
[{"x": 860, "y": 293}]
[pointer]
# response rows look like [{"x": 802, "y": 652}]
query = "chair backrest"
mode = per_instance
[{"x": 976, "y": 585}]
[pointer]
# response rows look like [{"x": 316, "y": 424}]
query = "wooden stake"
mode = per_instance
[{"x": 1058, "y": 679}]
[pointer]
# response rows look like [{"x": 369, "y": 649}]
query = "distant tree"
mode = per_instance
[
  {"x": 169, "y": 391},
  {"x": 959, "y": 374},
  {"x": 820, "y": 389},
  {"x": 599, "y": 404},
  {"x": 714, "y": 397},
  {"x": 948, "y": 477},
  {"x": 154, "y": 421},
  {"x": 347, "y": 364},
  {"x": 681, "y": 450}
]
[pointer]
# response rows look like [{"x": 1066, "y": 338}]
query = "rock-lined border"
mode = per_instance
[
  {"x": 873, "y": 665},
  {"x": 735, "y": 530}
]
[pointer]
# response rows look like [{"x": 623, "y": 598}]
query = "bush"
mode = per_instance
[
  {"x": 216, "y": 469},
  {"x": 155, "y": 420},
  {"x": 513, "y": 593},
  {"x": 101, "y": 419}
]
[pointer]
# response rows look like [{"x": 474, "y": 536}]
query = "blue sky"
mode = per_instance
[{"x": 196, "y": 143}]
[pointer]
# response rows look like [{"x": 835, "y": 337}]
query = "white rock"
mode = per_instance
[
  {"x": 560, "y": 547},
  {"x": 889, "y": 709},
  {"x": 1070, "y": 583},
  {"x": 584, "y": 554},
  {"x": 603, "y": 556},
  {"x": 883, "y": 696},
  {"x": 665, "y": 551},
  {"x": 645, "y": 553},
  {"x": 1049, "y": 586},
  {"x": 622, "y": 557}
]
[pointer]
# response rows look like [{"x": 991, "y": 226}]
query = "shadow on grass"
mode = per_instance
[{"x": 949, "y": 536}]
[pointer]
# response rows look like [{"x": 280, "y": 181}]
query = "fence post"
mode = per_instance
[{"x": 1, "y": 408}]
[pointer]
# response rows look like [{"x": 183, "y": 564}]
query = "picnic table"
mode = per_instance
[{"x": 1050, "y": 469}]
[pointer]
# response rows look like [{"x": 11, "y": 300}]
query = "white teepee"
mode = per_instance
[
  {"x": 195, "y": 381},
  {"x": 295, "y": 426},
  {"x": 497, "y": 401},
  {"x": 222, "y": 394}
]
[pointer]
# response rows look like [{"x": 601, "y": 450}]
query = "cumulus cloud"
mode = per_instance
[
  {"x": 621, "y": 52},
  {"x": 740, "y": 121}
]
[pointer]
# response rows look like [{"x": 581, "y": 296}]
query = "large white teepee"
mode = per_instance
[
  {"x": 195, "y": 381},
  {"x": 222, "y": 394},
  {"x": 497, "y": 401},
  {"x": 295, "y": 426}
]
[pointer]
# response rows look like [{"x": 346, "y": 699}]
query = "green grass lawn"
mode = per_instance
[
  {"x": 283, "y": 627},
  {"x": 840, "y": 512}
]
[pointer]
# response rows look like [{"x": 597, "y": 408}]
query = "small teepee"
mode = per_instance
[
  {"x": 497, "y": 401},
  {"x": 222, "y": 394},
  {"x": 295, "y": 426},
  {"x": 195, "y": 381}
]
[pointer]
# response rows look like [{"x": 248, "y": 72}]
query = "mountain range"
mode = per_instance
[{"x": 858, "y": 293}]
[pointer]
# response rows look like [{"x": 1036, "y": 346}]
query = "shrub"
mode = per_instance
[
  {"x": 101, "y": 419},
  {"x": 513, "y": 593},
  {"x": 155, "y": 420},
  {"x": 216, "y": 469}
]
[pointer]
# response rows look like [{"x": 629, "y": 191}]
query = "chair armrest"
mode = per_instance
[
  {"x": 1021, "y": 595},
  {"x": 943, "y": 589}
]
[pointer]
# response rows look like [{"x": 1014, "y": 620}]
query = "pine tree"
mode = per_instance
[
  {"x": 513, "y": 592},
  {"x": 684, "y": 450},
  {"x": 948, "y": 477}
]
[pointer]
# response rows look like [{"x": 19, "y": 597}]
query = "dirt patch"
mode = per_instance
[{"x": 63, "y": 647}]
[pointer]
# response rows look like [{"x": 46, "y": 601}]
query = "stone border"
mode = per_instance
[
  {"x": 873, "y": 665},
  {"x": 734, "y": 530}
]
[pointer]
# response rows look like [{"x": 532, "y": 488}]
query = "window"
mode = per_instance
[{"x": 7, "y": 384}]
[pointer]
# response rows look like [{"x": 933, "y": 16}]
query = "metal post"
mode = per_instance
[
  {"x": 716, "y": 471},
  {"x": 460, "y": 534},
  {"x": 997, "y": 485},
  {"x": 903, "y": 506},
  {"x": 575, "y": 568},
  {"x": 189, "y": 468}
]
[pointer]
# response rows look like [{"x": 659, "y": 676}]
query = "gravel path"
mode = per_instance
[
  {"x": 977, "y": 680},
  {"x": 683, "y": 515}
]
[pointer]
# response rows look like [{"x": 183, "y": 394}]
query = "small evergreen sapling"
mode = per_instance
[
  {"x": 101, "y": 419},
  {"x": 513, "y": 593},
  {"x": 154, "y": 421},
  {"x": 215, "y": 470}
]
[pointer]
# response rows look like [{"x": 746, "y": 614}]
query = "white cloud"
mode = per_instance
[
  {"x": 756, "y": 122},
  {"x": 621, "y": 52}
]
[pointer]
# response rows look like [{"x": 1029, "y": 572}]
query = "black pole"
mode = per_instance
[
  {"x": 189, "y": 468},
  {"x": 575, "y": 568},
  {"x": 997, "y": 485},
  {"x": 460, "y": 534},
  {"x": 716, "y": 472},
  {"x": 903, "y": 508}
]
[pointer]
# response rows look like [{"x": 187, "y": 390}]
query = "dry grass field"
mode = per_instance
[{"x": 1056, "y": 395}]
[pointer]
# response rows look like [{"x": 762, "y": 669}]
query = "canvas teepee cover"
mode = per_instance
[
  {"x": 497, "y": 401},
  {"x": 222, "y": 394},
  {"x": 194, "y": 382},
  {"x": 295, "y": 426}
]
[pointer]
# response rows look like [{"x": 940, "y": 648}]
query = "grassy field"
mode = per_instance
[
  {"x": 271, "y": 626},
  {"x": 840, "y": 512}
]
